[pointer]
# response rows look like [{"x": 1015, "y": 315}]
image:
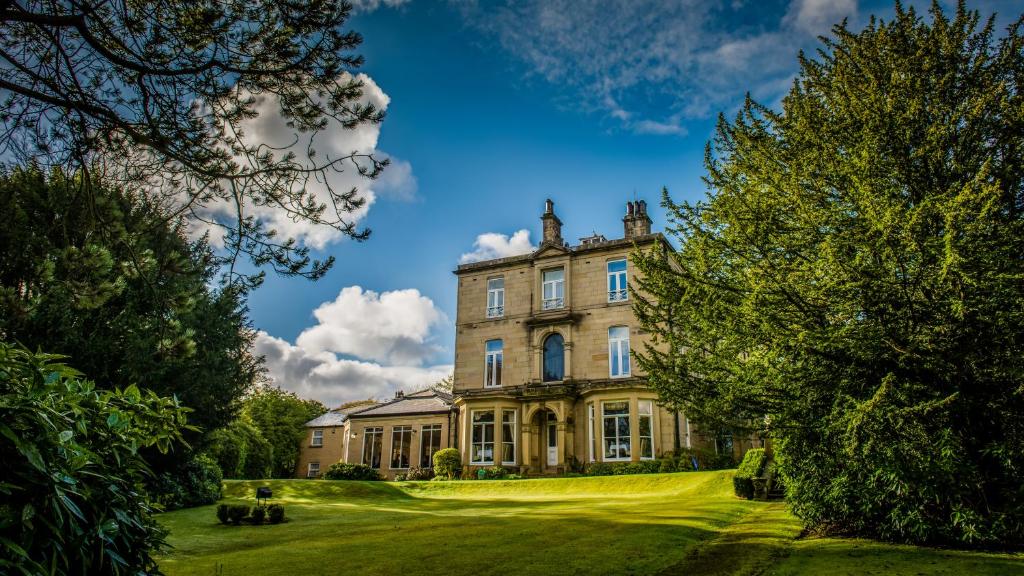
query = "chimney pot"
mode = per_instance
[
  {"x": 643, "y": 207},
  {"x": 629, "y": 208},
  {"x": 552, "y": 225}
]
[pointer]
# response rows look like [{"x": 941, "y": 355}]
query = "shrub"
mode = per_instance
[
  {"x": 258, "y": 514},
  {"x": 751, "y": 467},
  {"x": 343, "y": 471},
  {"x": 275, "y": 513},
  {"x": 197, "y": 482},
  {"x": 222, "y": 513},
  {"x": 400, "y": 478},
  {"x": 70, "y": 454},
  {"x": 237, "y": 513},
  {"x": 600, "y": 469},
  {"x": 419, "y": 473},
  {"x": 495, "y": 473},
  {"x": 668, "y": 465},
  {"x": 447, "y": 463}
]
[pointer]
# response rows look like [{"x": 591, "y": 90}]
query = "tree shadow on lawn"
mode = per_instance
[{"x": 857, "y": 557}]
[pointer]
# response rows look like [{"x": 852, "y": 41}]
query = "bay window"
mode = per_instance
[
  {"x": 645, "y": 419},
  {"x": 508, "y": 437},
  {"x": 482, "y": 439},
  {"x": 615, "y": 420}
]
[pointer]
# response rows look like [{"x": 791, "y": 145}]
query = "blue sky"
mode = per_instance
[{"x": 491, "y": 109}]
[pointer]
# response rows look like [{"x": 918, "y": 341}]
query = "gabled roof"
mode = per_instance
[{"x": 428, "y": 401}]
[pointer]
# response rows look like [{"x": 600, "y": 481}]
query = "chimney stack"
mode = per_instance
[
  {"x": 552, "y": 225},
  {"x": 636, "y": 222}
]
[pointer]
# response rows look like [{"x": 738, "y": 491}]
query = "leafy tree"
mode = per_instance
[
  {"x": 854, "y": 281},
  {"x": 71, "y": 497},
  {"x": 109, "y": 283},
  {"x": 240, "y": 450},
  {"x": 280, "y": 416},
  {"x": 158, "y": 94}
]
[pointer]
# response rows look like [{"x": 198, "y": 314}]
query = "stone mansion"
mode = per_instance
[{"x": 543, "y": 380}]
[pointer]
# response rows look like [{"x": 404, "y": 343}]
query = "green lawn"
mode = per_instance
[{"x": 685, "y": 523}]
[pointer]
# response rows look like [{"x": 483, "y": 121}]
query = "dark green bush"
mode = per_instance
[
  {"x": 668, "y": 464},
  {"x": 623, "y": 468},
  {"x": 222, "y": 513},
  {"x": 258, "y": 514},
  {"x": 448, "y": 463},
  {"x": 343, "y": 471},
  {"x": 71, "y": 466},
  {"x": 600, "y": 469},
  {"x": 197, "y": 482},
  {"x": 275, "y": 513},
  {"x": 237, "y": 513}
]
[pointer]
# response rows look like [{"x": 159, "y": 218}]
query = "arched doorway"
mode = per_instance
[
  {"x": 554, "y": 358},
  {"x": 545, "y": 440}
]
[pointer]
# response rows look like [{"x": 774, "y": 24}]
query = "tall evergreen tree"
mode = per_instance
[
  {"x": 107, "y": 282},
  {"x": 855, "y": 281}
]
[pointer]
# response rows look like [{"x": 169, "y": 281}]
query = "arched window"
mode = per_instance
[{"x": 554, "y": 358}]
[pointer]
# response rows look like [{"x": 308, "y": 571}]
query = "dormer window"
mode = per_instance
[
  {"x": 617, "y": 289},
  {"x": 553, "y": 289},
  {"x": 495, "y": 297}
]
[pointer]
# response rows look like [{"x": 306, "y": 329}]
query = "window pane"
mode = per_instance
[
  {"x": 554, "y": 275},
  {"x": 495, "y": 283},
  {"x": 554, "y": 358},
  {"x": 493, "y": 346},
  {"x": 646, "y": 448},
  {"x": 483, "y": 416},
  {"x": 645, "y": 407},
  {"x": 618, "y": 332},
  {"x": 617, "y": 266},
  {"x": 616, "y": 407}
]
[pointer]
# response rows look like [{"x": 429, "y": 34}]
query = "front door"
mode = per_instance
[{"x": 552, "y": 440}]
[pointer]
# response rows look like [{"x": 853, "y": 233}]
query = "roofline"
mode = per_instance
[
  {"x": 400, "y": 414},
  {"x": 579, "y": 249}
]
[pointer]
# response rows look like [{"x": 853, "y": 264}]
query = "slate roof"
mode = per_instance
[
  {"x": 423, "y": 402},
  {"x": 332, "y": 418}
]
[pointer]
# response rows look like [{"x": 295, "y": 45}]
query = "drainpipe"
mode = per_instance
[{"x": 675, "y": 431}]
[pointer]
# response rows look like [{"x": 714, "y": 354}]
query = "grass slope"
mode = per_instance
[{"x": 685, "y": 523}]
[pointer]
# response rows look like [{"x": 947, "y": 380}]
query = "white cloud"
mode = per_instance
[
  {"x": 626, "y": 59},
  {"x": 364, "y": 6},
  {"x": 393, "y": 327},
  {"x": 270, "y": 129},
  {"x": 494, "y": 245},
  {"x": 817, "y": 16},
  {"x": 325, "y": 377}
]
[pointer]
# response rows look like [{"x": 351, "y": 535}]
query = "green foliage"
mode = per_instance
[
  {"x": 123, "y": 97},
  {"x": 258, "y": 514},
  {"x": 751, "y": 467},
  {"x": 854, "y": 281},
  {"x": 108, "y": 279},
  {"x": 626, "y": 468},
  {"x": 493, "y": 473},
  {"x": 343, "y": 471},
  {"x": 195, "y": 482},
  {"x": 416, "y": 473},
  {"x": 447, "y": 463},
  {"x": 222, "y": 513},
  {"x": 753, "y": 463},
  {"x": 240, "y": 450},
  {"x": 72, "y": 488},
  {"x": 280, "y": 416},
  {"x": 275, "y": 513},
  {"x": 237, "y": 513}
]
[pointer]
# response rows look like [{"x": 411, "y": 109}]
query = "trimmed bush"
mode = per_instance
[
  {"x": 447, "y": 463},
  {"x": 668, "y": 465},
  {"x": 275, "y": 513},
  {"x": 222, "y": 513},
  {"x": 751, "y": 467},
  {"x": 237, "y": 513},
  {"x": 258, "y": 514},
  {"x": 343, "y": 471}
]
